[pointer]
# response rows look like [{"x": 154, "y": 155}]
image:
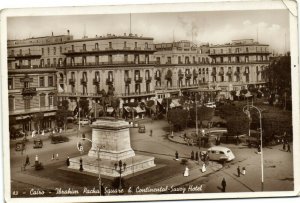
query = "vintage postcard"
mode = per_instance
[{"x": 150, "y": 102}]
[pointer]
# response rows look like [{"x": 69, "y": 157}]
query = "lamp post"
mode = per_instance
[
  {"x": 196, "y": 115},
  {"x": 248, "y": 107},
  {"x": 98, "y": 159},
  {"x": 120, "y": 167}
]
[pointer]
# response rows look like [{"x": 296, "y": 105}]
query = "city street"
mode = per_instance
[{"x": 278, "y": 164}]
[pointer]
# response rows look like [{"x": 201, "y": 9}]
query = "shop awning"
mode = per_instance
[
  {"x": 127, "y": 108},
  {"x": 139, "y": 110},
  {"x": 159, "y": 100},
  {"x": 110, "y": 109}
]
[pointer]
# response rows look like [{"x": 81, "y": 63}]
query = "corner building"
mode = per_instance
[
  {"x": 237, "y": 65},
  {"x": 32, "y": 84}
]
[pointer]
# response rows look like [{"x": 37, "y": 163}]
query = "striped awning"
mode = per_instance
[
  {"x": 110, "y": 109},
  {"x": 139, "y": 110}
]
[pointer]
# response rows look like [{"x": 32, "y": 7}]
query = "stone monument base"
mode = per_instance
[{"x": 107, "y": 167}]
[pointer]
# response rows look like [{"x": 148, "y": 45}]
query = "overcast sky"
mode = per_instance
[{"x": 220, "y": 27}]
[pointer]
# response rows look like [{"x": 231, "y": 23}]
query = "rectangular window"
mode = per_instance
[
  {"x": 50, "y": 81},
  {"x": 110, "y": 45},
  {"x": 42, "y": 50},
  {"x": 11, "y": 105},
  {"x": 54, "y": 50},
  {"x": 48, "y": 62},
  {"x": 54, "y": 61},
  {"x": 60, "y": 50},
  {"x": 27, "y": 103},
  {"x": 10, "y": 83},
  {"x": 42, "y": 82},
  {"x": 42, "y": 101},
  {"x": 50, "y": 100},
  {"x": 48, "y": 50}
]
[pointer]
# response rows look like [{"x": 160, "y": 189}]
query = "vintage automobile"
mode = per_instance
[
  {"x": 37, "y": 143},
  {"x": 142, "y": 129},
  {"x": 20, "y": 146}
]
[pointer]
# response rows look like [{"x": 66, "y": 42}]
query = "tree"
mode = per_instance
[
  {"x": 132, "y": 105},
  {"x": 178, "y": 117},
  {"x": 84, "y": 107},
  {"x": 150, "y": 104},
  {"x": 203, "y": 113},
  {"x": 237, "y": 125},
  {"x": 61, "y": 116},
  {"x": 37, "y": 119},
  {"x": 115, "y": 103}
]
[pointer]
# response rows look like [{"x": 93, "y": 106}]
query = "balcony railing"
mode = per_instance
[
  {"x": 61, "y": 80},
  {"x": 83, "y": 81},
  {"x": 148, "y": 79},
  {"x": 139, "y": 79},
  {"x": 137, "y": 93},
  {"x": 126, "y": 48},
  {"x": 221, "y": 73},
  {"x": 96, "y": 81},
  {"x": 168, "y": 77},
  {"x": 188, "y": 76},
  {"x": 137, "y": 48},
  {"x": 180, "y": 75},
  {"x": 109, "y": 81},
  {"x": 72, "y": 81},
  {"x": 29, "y": 91},
  {"x": 195, "y": 75},
  {"x": 127, "y": 80},
  {"x": 157, "y": 77},
  {"x": 110, "y": 63}
]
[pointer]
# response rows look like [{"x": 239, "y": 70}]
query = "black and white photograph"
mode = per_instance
[{"x": 149, "y": 102}]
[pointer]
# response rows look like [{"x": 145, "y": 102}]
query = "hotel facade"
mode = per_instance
[{"x": 43, "y": 71}]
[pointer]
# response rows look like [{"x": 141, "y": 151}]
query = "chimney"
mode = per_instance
[
  {"x": 68, "y": 31},
  {"x": 52, "y": 33}
]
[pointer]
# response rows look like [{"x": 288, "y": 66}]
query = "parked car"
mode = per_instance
[
  {"x": 210, "y": 105},
  {"x": 219, "y": 153},
  {"x": 37, "y": 143},
  {"x": 142, "y": 129},
  {"x": 84, "y": 121}
]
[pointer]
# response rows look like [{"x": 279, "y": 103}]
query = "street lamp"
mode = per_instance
[
  {"x": 121, "y": 169},
  {"x": 98, "y": 159},
  {"x": 248, "y": 107}
]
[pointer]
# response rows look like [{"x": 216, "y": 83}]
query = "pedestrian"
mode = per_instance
[
  {"x": 151, "y": 133},
  {"x": 192, "y": 155},
  {"x": 223, "y": 185},
  {"x": 68, "y": 161},
  {"x": 36, "y": 160},
  {"x": 186, "y": 172},
  {"x": 259, "y": 149},
  {"x": 176, "y": 156},
  {"x": 288, "y": 147},
  {"x": 197, "y": 157},
  {"x": 81, "y": 167},
  {"x": 52, "y": 157},
  {"x": 57, "y": 156},
  {"x": 283, "y": 145},
  {"x": 244, "y": 170},
  {"x": 238, "y": 171},
  {"x": 83, "y": 135},
  {"x": 203, "y": 168},
  {"x": 27, "y": 161}
]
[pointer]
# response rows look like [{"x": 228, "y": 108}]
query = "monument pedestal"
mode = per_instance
[{"x": 111, "y": 143}]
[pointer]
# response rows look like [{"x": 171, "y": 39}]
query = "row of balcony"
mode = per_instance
[
  {"x": 96, "y": 81},
  {"x": 109, "y": 49},
  {"x": 25, "y": 55},
  {"x": 240, "y": 53},
  {"x": 240, "y": 62},
  {"x": 111, "y": 63},
  {"x": 79, "y": 94}
]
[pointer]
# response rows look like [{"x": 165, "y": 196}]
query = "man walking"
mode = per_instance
[
  {"x": 27, "y": 161},
  {"x": 223, "y": 185},
  {"x": 288, "y": 147},
  {"x": 238, "y": 171}
]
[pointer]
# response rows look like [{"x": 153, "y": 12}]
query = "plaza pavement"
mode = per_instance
[{"x": 278, "y": 177}]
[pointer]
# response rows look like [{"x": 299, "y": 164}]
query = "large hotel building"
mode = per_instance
[{"x": 45, "y": 70}]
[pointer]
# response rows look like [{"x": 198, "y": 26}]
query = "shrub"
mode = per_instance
[{"x": 184, "y": 161}]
